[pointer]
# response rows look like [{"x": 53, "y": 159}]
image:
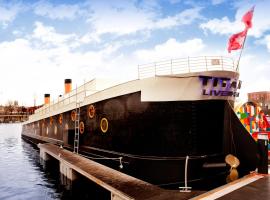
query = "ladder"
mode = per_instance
[{"x": 77, "y": 129}]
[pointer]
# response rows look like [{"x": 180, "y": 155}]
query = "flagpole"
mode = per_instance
[{"x": 241, "y": 51}]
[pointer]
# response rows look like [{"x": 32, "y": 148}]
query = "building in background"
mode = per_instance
[{"x": 262, "y": 99}]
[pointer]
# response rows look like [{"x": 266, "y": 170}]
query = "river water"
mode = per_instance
[{"x": 23, "y": 176}]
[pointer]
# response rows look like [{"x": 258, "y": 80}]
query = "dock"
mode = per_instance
[
  {"x": 120, "y": 185},
  {"x": 125, "y": 187}
]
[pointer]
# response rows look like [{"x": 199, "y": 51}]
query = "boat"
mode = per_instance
[{"x": 172, "y": 126}]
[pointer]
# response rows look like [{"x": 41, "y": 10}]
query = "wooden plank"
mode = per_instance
[{"x": 120, "y": 184}]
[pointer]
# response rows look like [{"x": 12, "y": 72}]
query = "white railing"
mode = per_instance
[
  {"x": 186, "y": 65},
  {"x": 65, "y": 102},
  {"x": 168, "y": 67}
]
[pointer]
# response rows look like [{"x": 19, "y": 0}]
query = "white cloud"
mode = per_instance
[
  {"x": 127, "y": 18},
  {"x": 267, "y": 41},
  {"x": 222, "y": 26},
  {"x": 217, "y": 2},
  {"x": 62, "y": 11},
  {"x": 48, "y": 35},
  {"x": 254, "y": 73},
  {"x": 8, "y": 14},
  {"x": 171, "y": 49},
  {"x": 261, "y": 22},
  {"x": 264, "y": 41},
  {"x": 30, "y": 67}
]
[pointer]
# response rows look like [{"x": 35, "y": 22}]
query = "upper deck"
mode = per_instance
[
  {"x": 187, "y": 65},
  {"x": 174, "y": 67}
]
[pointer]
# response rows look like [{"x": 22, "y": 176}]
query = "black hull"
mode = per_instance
[{"x": 154, "y": 138}]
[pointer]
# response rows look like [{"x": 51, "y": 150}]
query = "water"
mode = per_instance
[{"x": 23, "y": 176}]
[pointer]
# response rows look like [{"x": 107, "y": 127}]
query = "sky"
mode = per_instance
[{"x": 44, "y": 42}]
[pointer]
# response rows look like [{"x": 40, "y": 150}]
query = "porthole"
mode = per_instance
[
  {"x": 104, "y": 125},
  {"x": 91, "y": 111},
  {"x": 81, "y": 127},
  {"x": 73, "y": 115}
]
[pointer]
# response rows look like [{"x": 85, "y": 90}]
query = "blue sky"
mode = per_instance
[{"x": 44, "y": 42}]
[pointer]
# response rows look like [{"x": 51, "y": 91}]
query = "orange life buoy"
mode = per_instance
[
  {"x": 81, "y": 127},
  {"x": 51, "y": 120},
  {"x": 104, "y": 125},
  {"x": 73, "y": 115},
  {"x": 60, "y": 119},
  {"x": 91, "y": 111}
]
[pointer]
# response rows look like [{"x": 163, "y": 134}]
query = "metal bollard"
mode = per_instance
[{"x": 263, "y": 150}]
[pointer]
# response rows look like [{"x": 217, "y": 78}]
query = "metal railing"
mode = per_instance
[
  {"x": 66, "y": 101},
  {"x": 168, "y": 67},
  {"x": 186, "y": 65}
]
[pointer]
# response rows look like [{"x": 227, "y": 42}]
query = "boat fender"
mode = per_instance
[
  {"x": 104, "y": 125},
  {"x": 81, "y": 127},
  {"x": 91, "y": 111}
]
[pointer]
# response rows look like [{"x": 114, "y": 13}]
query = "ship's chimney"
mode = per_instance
[
  {"x": 68, "y": 85},
  {"x": 46, "y": 99}
]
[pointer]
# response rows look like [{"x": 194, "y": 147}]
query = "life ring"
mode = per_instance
[
  {"x": 73, "y": 115},
  {"x": 81, "y": 127},
  {"x": 91, "y": 111},
  {"x": 104, "y": 125},
  {"x": 60, "y": 119},
  {"x": 51, "y": 120}
]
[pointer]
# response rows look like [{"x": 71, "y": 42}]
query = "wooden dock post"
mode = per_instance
[
  {"x": 44, "y": 155},
  {"x": 68, "y": 172}
]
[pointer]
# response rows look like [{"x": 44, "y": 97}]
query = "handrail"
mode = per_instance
[
  {"x": 186, "y": 65},
  {"x": 166, "y": 67}
]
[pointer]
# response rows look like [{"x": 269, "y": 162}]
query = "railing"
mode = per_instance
[
  {"x": 64, "y": 102},
  {"x": 168, "y": 67},
  {"x": 186, "y": 65}
]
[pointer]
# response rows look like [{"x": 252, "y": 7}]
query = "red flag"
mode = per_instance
[
  {"x": 247, "y": 18},
  {"x": 236, "y": 41}
]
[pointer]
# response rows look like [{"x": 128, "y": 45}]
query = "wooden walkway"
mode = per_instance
[
  {"x": 120, "y": 185},
  {"x": 124, "y": 187},
  {"x": 251, "y": 187}
]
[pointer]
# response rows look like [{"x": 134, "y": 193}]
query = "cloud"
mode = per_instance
[
  {"x": 41, "y": 61},
  {"x": 217, "y": 2},
  {"x": 265, "y": 41},
  {"x": 49, "y": 36},
  {"x": 8, "y": 13},
  {"x": 60, "y": 12},
  {"x": 171, "y": 49},
  {"x": 254, "y": 73},
  {"x": 223, "y": 26},
  {"x": 127, "y": 18}
]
